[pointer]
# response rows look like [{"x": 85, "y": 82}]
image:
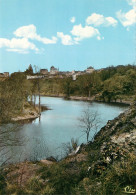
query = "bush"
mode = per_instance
[
  {"x": 3, "y": 183},
  {"x": 35, "y": 184}
]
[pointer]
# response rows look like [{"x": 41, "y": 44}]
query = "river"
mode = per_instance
[{"x": 45, "y": 138}]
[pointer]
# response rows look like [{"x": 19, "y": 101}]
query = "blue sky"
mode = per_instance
[{"x": 69, "y": 34}]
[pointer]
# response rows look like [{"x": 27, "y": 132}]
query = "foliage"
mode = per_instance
[
  {"x": 74, "y": 178},
  {"x": 3, "y": 183},
  {"x": 13, "y": 94},
  {"x": 34, "y": 184},
  {"x": 29, "y": 70},
  {"x": 70, "y": 146},
  {"x": 63, "y": 177},
  {"x": 109, "y": 84}
]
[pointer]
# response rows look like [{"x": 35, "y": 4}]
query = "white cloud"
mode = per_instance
[
  {"x": 65, "y": 39},
  {"x": 98, "y": 38},
  {"x": 47, "y": 41},
  {"x": 29, "y": 32},
  {"x": 84, "y": 32},
  {"x": 18, "y": 45},
  {"x": 72, "y": 20},
  {"x": 4, "y": 42},
  {"x": 97, "y": 20},
  {"x": 129, "y": 18},
  {"x": 132, "y": 2}
]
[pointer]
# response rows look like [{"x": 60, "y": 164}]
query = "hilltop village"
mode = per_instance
[{"x": 54, "y": 72}]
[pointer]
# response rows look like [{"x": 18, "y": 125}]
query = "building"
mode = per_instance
[
  {"x": 1, "y": 75},
  {"x": 90, "y": 69},
  {"x": 53, "y": 70},
  {"x": 44, "y": 71},
  {"x": 4, "y": 75},
  {"x": 34, "y": 77},
  {"x": 74, "y": 76}
]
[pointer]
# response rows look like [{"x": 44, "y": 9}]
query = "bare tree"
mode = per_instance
[
  {"x": 69, "y": 147},
  {"x": 89, "y": 122},
  {"x": 37, "y": 71}
]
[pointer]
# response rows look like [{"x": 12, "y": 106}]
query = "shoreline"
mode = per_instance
[
  {"x": 30, "y": 115},
  {"x": 33, "y": 114},
  {"x": 92, "y": 99}
]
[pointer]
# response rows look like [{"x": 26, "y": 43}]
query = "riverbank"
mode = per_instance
[
  {"x": 105, "y": 166},
  {"x": 29, "y": 113},
  {"x": 93, "y": 98},
  {"x": 127, "y": 100}
]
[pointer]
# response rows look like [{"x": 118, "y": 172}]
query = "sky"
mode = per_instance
[{"x": 67, "y": 34}]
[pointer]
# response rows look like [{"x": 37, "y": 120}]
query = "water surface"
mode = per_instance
[{"x": 58, "y": 126}]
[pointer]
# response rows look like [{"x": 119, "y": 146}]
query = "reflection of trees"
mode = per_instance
[
  {"x": 9, "y": 138},
  {"x": 16, "y": 147},
  {"x": 39, "y": 149}
]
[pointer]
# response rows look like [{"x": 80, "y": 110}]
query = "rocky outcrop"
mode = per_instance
[
  {"x": 115, "y": 141},
  {"x": 124, "y": 123}
]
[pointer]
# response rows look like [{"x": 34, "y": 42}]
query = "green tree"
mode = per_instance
[
  {"x": 13, "y": 95},
  {"x": 29, "y": 70},
  {"x": 66, "y": 85}
]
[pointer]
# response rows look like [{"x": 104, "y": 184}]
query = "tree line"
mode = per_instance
[{"x": 107, "y": 84}]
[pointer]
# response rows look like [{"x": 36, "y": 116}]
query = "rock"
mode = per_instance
[
  {"x": 47, "y": 162},
  {"x": 134, "y": 121},
  {"x": 79, "y": 158},
  {"x": 51, "y": 158},
  {"x": 77, "y": 149}
]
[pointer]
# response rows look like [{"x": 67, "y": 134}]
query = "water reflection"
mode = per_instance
[{"x": 58, "y": 126}]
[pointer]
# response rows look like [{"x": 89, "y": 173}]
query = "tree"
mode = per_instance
[
  {"x": 67, "y": 86},
  {"x": 37, "y": 82},
  {"x": 29, "y": 70},
  {"x": 89, "y": 122},
  {"x": 13, "y": 95},
  {"x": 71, "y": 146}
]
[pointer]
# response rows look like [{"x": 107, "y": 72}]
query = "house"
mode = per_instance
[
  {"x": 74, "y": 76},
  {"x": 5, "y": 74},
  {"x": 29, "y": 77},
  {"x": 44, "y": 71},
  {"x": 90, "y": 69},
  {"x": 1, "y": 75},
  {"x": 53, "y": 70}
]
